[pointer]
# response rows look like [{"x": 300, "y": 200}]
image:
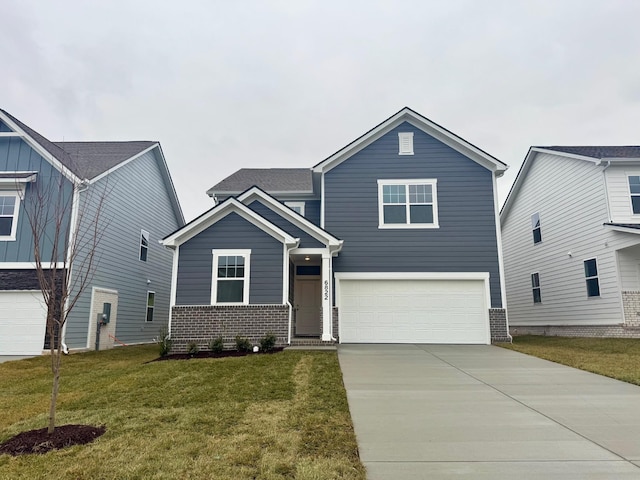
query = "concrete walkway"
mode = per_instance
[{"x": 486, "y": 413}]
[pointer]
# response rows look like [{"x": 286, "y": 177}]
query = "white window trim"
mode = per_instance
[
  {"x": 293, "y": 205},
  {"x": 16, "y": 214},
  {"x": 596, "y": 276},
  {"x": 534, "y": 228},
  {"x": 247, "y": 274},
  {"x": 539, "y": 287},
  {"x": 153, "y": 307},
  {"x": 423, "y": 181},
  {"x": 140, "y": 246},
  {"x": 636, "y": 174},
  {"x": 408, "y": 137}
]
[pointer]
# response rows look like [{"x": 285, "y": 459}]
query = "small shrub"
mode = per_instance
[
  {"x": 268, "y": 342},
  {"x": 243, "y": 344},
  {"x": 164, "y": 342},
  {"x": 216, "y": 345},
  {"x": 192, "y": 348}
]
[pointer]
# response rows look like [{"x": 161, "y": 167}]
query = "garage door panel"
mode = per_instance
[
  {"x": 413, "y": 311},
  {"x": 22, "y": 323}
]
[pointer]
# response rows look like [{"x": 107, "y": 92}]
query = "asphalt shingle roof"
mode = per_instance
[
  {"x": 268, "y": 179},
  {"x": 86, "y": 159},
  {"x": 600, "y": 151}
]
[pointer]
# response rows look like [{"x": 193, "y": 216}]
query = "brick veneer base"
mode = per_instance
[
  {"x": 203, "y": 323},
  {"x": 498, "y": 325},
  {"x": 631, "y": 307},
  {"x": 603, "y": 331}
]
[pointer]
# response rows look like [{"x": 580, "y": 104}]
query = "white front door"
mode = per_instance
[
  {"x": 308, "y": 305},
  {"x": 23, "y": 322}
]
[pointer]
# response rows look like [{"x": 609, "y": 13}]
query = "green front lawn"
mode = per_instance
[
  {"x": 613, "y": 357},
  {"x": 262, "y": 416}
]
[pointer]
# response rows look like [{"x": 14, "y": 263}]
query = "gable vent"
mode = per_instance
[{"x": 405, "y": 141}]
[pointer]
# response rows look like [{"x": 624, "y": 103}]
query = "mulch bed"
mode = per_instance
[
  {"x": 210, "y": 354},
  {"x": 39, "y": 441}
]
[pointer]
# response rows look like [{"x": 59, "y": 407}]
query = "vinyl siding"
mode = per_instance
[
  {"x": 619, "y": 195},
  {"x": 17, "y": 155},
  {"x": 306, "y": 240},
  {"x": 136, "y": 198},
  {"x": 466, "y": 240},
  {"x": 570, "y": 197},
  {"x": 312, "y": 211},
  {"x": 195, "y": 262}
]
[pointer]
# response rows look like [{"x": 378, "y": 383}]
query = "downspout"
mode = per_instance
[{"x": 73, "y": 224}]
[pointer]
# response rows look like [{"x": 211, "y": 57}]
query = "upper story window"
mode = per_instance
[
  {"x": 407, "y": 203},
  {"x": 634, "y": 190},
  {"x": 535, "y": 287},
  {"x": 591, "y": 275},
  {"x": 535, "y": 226},
  {"x": 297, "y": 207},
  {"x": 405, "y": 143},
  {"x": 9, "y": 206},
  {"x": 144, "y": 245},
  {"x": 230, "y": 283}
]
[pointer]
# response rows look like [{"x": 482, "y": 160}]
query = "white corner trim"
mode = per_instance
[
  {"x": 174, "y": 281},
  {"x": 503, "y": 289}
]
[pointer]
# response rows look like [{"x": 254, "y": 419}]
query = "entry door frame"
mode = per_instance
[{"x": 308, "y": 278}]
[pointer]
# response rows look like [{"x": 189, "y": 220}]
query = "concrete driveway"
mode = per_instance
[{"x": 483, "y": 412}]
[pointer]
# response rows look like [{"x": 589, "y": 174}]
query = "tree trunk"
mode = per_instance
[{"x": 55, "y": 367}]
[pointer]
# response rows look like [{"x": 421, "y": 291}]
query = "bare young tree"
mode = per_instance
[{"x": 64, "y": 217}]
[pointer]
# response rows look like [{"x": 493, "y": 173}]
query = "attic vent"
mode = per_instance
[{"x": 405, "y": 140}]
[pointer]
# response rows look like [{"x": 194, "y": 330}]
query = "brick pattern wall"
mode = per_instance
[
  {"x": 603, "y": 331},
  {"x": 498, "y": 325},
  {"x": 334, "y": 321},
  {"x": 201, "y": 324},
  {"x": 631, "y": 306}
]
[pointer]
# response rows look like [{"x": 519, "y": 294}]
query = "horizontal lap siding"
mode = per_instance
[
  {"x": 570, "y": 197},
  {"x": 136, "y": 199},
  {"x": 466, "y": 240},
  {"x": 232, "y": 232},
  {"x": 306, "y": 240},
  {"x": 17, "y": 155},
  {"x": 312, "y": 211}
]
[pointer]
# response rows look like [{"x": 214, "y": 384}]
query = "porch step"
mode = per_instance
[{"x": 310, "y": 342}]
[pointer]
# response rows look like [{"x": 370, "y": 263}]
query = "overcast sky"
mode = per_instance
[{"x": 231, "y": 84}]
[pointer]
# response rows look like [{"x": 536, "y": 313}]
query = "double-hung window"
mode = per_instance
[
  {"x": 231, "y": 274},
  {"x": 591, "y": 276},
  {"x": 535, "y": 287},
  {"x": 634, "y": 190},
  {"x": 535, "y": 226},
  {"x": 151, "y": 303},
  {"x": 144, "y": 245},
  {"x": 407, "y": 203},
  {"x": 9, "y": 205}
]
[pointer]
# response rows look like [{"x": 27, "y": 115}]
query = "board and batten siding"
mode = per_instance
[
  {"x": 570, "y": 197},
  {"x": 136, "y": 199},
  {"x": 17, "y": 155},
  {"x": 466, "y": 240},
  {"x": 195, "y": 262},
  {"x": 306, "y": 240}
]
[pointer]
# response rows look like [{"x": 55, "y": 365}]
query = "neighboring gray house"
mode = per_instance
[
  {"x": 392, "y": 239},
  {"x": 134, "y": 271},
  {"x": 571, "y": 234}
]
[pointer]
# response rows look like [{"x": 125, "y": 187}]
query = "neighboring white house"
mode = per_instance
[{"x": 571, "y": 239}]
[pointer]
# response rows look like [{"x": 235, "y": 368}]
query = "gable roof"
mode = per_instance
[
  {"x": 217, "y": 213},
  {"x": 431, "y": 128},
  {"x": 594, "y": 154},
  {"x": 274, "y": 180}
]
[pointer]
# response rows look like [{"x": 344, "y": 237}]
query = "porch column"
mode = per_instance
[{"x": 326, "y": 297}]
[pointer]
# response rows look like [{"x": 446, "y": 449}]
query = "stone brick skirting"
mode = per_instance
[
  {"x": 631, "y": 306},
  {"x": 202, "y": 323},
  {"x": 603, "y": 331},
  {"x": 498, "y": 325}
]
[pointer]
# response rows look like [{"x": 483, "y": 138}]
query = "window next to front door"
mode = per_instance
[
  {"x": 407, "y": 203},
  {"x": 230, "y": 282}
]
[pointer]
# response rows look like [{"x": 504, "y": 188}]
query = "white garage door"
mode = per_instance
[
  {"x": 22, "y": 323},
  {"x": 413, "y": 311}
]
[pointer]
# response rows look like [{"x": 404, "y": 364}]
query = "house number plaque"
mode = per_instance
[{"x": 326, "y": 289}]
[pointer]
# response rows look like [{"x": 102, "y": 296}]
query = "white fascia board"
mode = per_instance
[
  {"x": 422, "y": 123},
  {"x": 616, "y": 228},
  {"x": 218, "y": 213},
  {"x": 412, "y": 276},
  {"x": 29, "y": 179},
  {"x": 68, "y": 174},
  {"x": 618, "y": 160},
  {"x": 11, "y": 134},
  {"x": 285, "y": 212}
]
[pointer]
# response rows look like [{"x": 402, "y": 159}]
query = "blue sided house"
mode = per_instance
[
  {"x": 392, "y": 239},
  {"x": 127, "y": 186}
]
